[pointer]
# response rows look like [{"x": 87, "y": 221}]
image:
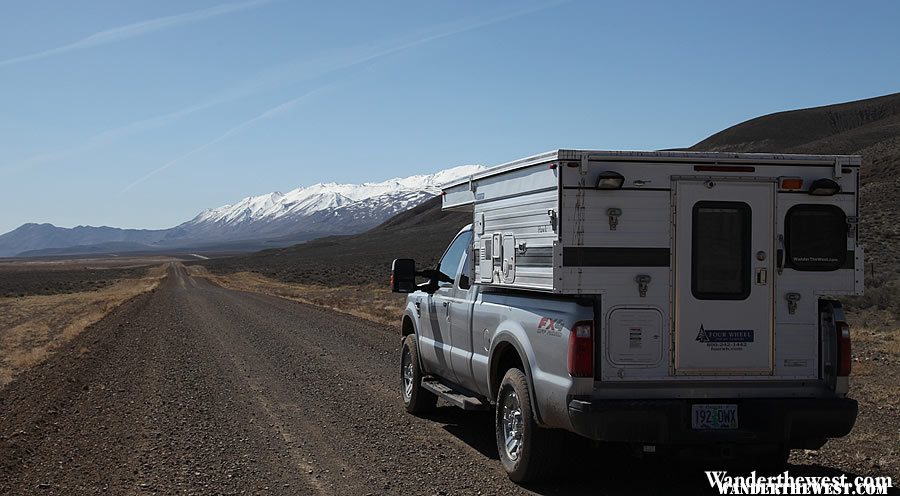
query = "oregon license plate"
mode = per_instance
[{"x": 714, "y": 417}]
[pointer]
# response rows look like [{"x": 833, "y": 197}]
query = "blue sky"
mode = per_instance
[{"x": 142, "y": 113}]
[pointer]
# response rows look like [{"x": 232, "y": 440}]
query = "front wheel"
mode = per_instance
[
  {"x": 416, "y": 398},
  {"x": 528, "y": 452}
]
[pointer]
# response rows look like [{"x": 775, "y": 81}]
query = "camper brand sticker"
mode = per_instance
[
  {"x": 725, "y": 339},
  {"x": 815, "y": 259},
  {"x": 796, "y": 363},
  {"x": 551, "y": 327}
]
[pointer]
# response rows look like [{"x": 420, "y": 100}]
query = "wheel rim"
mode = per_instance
[
  {"x": 407, "y": 374},
  {"x": 511, "y": 425}
]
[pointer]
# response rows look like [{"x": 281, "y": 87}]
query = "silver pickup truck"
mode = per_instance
[{"x": 695, "y": 317}]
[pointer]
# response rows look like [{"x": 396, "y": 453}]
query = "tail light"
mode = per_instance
[
  {"x": 843, "y": 341},
  {"x": 581, "y": 350}
]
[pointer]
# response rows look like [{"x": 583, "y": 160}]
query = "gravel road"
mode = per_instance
[{"x": 196, "y": 389}]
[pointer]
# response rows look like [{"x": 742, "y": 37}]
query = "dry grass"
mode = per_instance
[
  {"x": 33, "y": 327},
  {"x": 370, "y": 302}
]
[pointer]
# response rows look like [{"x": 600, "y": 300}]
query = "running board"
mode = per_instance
[{"x": 452, "y": 396}]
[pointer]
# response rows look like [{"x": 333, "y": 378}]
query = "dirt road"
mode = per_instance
[{"x": 198, "y": 389}]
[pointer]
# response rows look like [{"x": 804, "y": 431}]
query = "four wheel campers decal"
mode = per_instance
[{"x": 725, "y": 339}]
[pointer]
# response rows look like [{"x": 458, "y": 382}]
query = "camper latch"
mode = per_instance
[
  {"x": 613, "y": 214},
  {"x": 552, "y": 214},
  {"x": 852, "y": 221},
  {"x": 522, "y": 248},
  {"x": 642, "y": 280},
  {"x": 792, "y": 299}
]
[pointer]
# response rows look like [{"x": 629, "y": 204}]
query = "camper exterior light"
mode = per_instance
[
  {"x": 824, "y": 187},
  {"x": 791, "y": 183},
  {"x": 610, "y": 180}
]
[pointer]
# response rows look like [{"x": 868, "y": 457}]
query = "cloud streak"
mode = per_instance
[
  {"x": 136, "y": 29},
  {"x": 336, "y": 62},
  {"x": 268, "y": 114},
  {"x": 323, "y": 64}
]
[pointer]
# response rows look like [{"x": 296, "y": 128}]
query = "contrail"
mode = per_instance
[
  {"x": 129, "y": 129},
  {"x": 136, "y": 29},
  {"x": 335, "y": 64},
  {"x": 325, "y": 63},
  {"x": 272, "y": 112}
]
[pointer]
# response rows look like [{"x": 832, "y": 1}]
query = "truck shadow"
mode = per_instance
[
  {"x": 596, "y": 470},
  {"x": 473, "y": 428}
]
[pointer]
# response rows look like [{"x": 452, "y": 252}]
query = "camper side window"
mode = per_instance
[
  {"x": 720, "y": 255},
  {"x": 816, "y": 237}
]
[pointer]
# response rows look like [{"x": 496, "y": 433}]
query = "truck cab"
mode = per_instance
[{"x": 697, "y": 315}]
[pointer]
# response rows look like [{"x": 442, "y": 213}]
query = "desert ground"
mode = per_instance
[{"x": 200, "y": 383}]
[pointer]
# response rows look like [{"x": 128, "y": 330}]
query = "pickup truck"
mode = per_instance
[{"x": 612, "y": 364}]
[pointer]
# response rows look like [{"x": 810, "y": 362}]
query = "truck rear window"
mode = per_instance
[
  {"x": 816, "y": 237},
  {"x": 721, "y": 251}
]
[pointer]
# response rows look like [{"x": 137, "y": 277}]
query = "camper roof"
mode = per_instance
[{"x": 664, "y": 156}]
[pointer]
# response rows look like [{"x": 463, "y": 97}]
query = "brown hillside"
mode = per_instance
[{"x": 421, "y": 233}]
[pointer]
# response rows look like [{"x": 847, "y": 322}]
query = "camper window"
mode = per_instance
[
  {"x": 816, "y": 237},
  {"x": 721, "y": 251}
]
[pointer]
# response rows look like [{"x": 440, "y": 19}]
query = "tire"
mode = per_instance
[
  {"x": 528, "y": 452},
  {"x": 416, "y": 398}
]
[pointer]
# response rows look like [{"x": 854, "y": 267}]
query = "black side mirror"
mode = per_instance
[{"x": 403, "y": 275}]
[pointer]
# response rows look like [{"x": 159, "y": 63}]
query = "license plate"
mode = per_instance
[{"x": 714, "y": 417}]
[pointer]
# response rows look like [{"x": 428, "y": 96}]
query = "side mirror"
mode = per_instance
[{"x": 403, "y": 275}]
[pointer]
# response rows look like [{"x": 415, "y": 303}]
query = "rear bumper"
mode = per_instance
[{"x": 789, "y": 422}]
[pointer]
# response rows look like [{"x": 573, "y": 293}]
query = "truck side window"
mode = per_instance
[
  {"x": 465, "y": 282},
  {"x": 721, "y": 251},
  {"x": 450, "y": 262},
  {"x": 816, "y": 237}
]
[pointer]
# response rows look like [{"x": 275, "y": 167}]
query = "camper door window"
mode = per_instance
[
  {"x": 816, "y": 237},
  {"x": 720, "y": 255}
]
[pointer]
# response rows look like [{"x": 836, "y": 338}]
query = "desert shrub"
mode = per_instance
[{"x": 882, "y": 292}]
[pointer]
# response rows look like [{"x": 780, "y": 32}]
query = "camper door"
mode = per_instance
[{"x": 724, "y": 252}]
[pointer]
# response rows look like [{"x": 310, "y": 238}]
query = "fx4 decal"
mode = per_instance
[{"x": 551, "y": 327}]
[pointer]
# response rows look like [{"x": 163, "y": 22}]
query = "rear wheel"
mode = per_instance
[
  {"x": 416, "y": 398},
  {"x": 528, "y": 452}
]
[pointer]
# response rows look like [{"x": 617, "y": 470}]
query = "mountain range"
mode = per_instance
[
  {"x": 868, "y": 127},
  {"x": 256, "y": 222}
]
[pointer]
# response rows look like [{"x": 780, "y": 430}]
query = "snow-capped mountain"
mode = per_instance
[
  {"x": 324, "y": 208},
  {"x": 272, "y": 219}
]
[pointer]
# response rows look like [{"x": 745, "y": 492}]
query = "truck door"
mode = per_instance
[
  {"x": 723, "y": 255},
  {"x": 435, "y": 347}
]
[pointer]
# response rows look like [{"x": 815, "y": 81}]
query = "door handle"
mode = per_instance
[{"x": 447, "y": 306}]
